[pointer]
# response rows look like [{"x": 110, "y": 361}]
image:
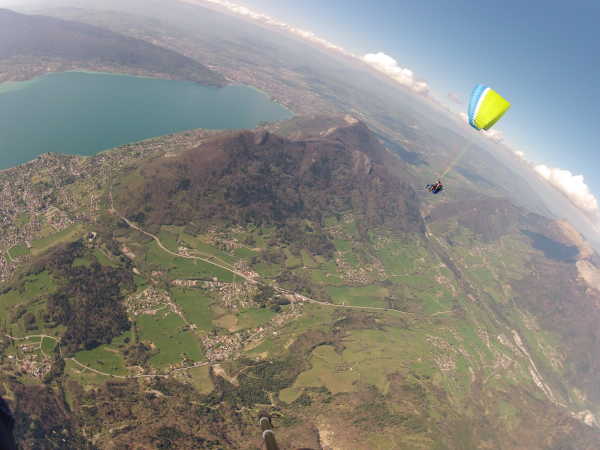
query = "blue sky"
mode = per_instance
[{"x": 541, "y": 55}]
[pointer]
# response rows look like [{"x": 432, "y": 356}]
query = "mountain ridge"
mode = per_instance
[
  {"x": 348, "y": 161},
  {"x": 33, "y": 44},
  {"x": 455, "y": 352}
]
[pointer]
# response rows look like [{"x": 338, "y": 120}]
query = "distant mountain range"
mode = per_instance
[
  {"x": 40, "y": 40},
  {"x": 166, "y": 292},
  {"x": 484, "y": 316}
]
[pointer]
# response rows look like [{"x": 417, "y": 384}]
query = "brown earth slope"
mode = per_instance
[{"x": 260, "y": 177}]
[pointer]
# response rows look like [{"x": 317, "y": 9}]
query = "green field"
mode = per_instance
[
  {"x": 359, "y": 296},
  {"x": 48, "y": 345},
  {"x": 328, "y": 369},
  {"x": 309, "y": 260},
  {"x": 196, "y": 306},
  {"x": 199, "y": 269},
  {"x": 179, "y": 267},
  {"x": 19, "y": 250},
  {"x": 207, "y": 250},
  {"x": 314, "y": 317},
  {"x": 326, "y": 274},
  {"x": 292, "y": 261},
  {"x": 378, "y": 353},
  {"x": 405, "y": 257},
  {"x": 104, "y": 359},
  {"x": 34, "y": 286},
  {"x": 227, "y": 321},
  {"x": 199, "y": 377},
  {"x": 105, "y": 260},
  {"x": 436, "y": 300},
  {"x": 83, "y": 376},
  {"x": 169, "y": 238},
  {"x": 23, "y": 219},
  {"x": 165, "y": 332},
  {"x": 254, "y": 317},
  {"x": 85, "y": 261},
  {"x": 68, "y": 234},
  {"x": 244, "y": 252},
  {"x": 267, "y": 270}
]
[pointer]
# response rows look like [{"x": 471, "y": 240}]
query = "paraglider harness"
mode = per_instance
[
  {"x": 435, "y": 188},
  {"x": 7, "y": 424},
  {"x": 267, "y": 431}
]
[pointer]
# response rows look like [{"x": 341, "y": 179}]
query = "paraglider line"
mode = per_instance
[{"x": 455, "y": 160}]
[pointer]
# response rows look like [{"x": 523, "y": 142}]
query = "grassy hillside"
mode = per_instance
[{"x": 220, "y": 274}]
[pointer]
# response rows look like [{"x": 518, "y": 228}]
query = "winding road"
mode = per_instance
[
  {"x": 245, "y": 277},
  {"x": 296, "y": 296}
]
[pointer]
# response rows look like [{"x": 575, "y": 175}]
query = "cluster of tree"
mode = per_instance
[
  {"x": 180, "y": 418},
  {"x": 253, "y": 178},
  {"x": 299, "y": 282},
  {"x": 139, "y": 217},
  {"x": 374, "y": 412},
  {"x": 270, "y": 256},
  {"x": 58, "y": 366},
  {"x": 264, "y": 377},
  {"x": 138, "y": 354},
  {"x": 42, "y": 419},
  {"x": 250, "y": 391},
  {"x": 172, "y": 437},
  {"x": 489, "y": 218},
  {"x": 264, "y": 294},
  {"x": 249, "y": 241},
  {"x": 267, "y": 296},
  {"x": 29, "y": 321},
  {"x": 88, "y": 301},
  {"x": 59, "y": 261},
  {"x": 18, "y": 313},
  {"x": 108, "y": 228},
  {"x": 300, "y": 235},
  {"x": 167, "y": 437}
]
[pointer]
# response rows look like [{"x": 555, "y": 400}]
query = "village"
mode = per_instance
[
  {"x": 29, "y": 359},
  {"x": 229, "y": 346},
  {"x": 54, "y": 192}
]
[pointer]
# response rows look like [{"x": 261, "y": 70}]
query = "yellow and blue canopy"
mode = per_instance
[{"x": 486, "y": 107}]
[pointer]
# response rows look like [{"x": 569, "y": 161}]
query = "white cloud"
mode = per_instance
[
  {"x": 573, "y": 186},
  {"x": 389, "y": 66},
  {"x": 455, "y": 98},
  {"x": 379, "y": 61},
  {"x": 494, "y": 135},
  {"x": 271, "y": 21}
]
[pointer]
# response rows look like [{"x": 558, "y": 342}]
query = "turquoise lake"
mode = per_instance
[{"x": 84, "y": 113}]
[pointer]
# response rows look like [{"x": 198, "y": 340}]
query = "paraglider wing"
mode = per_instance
[{"x": 486, "y": 107}]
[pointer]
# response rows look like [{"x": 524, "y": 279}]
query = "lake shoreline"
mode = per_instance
[{"x": 126, "y": 109}]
